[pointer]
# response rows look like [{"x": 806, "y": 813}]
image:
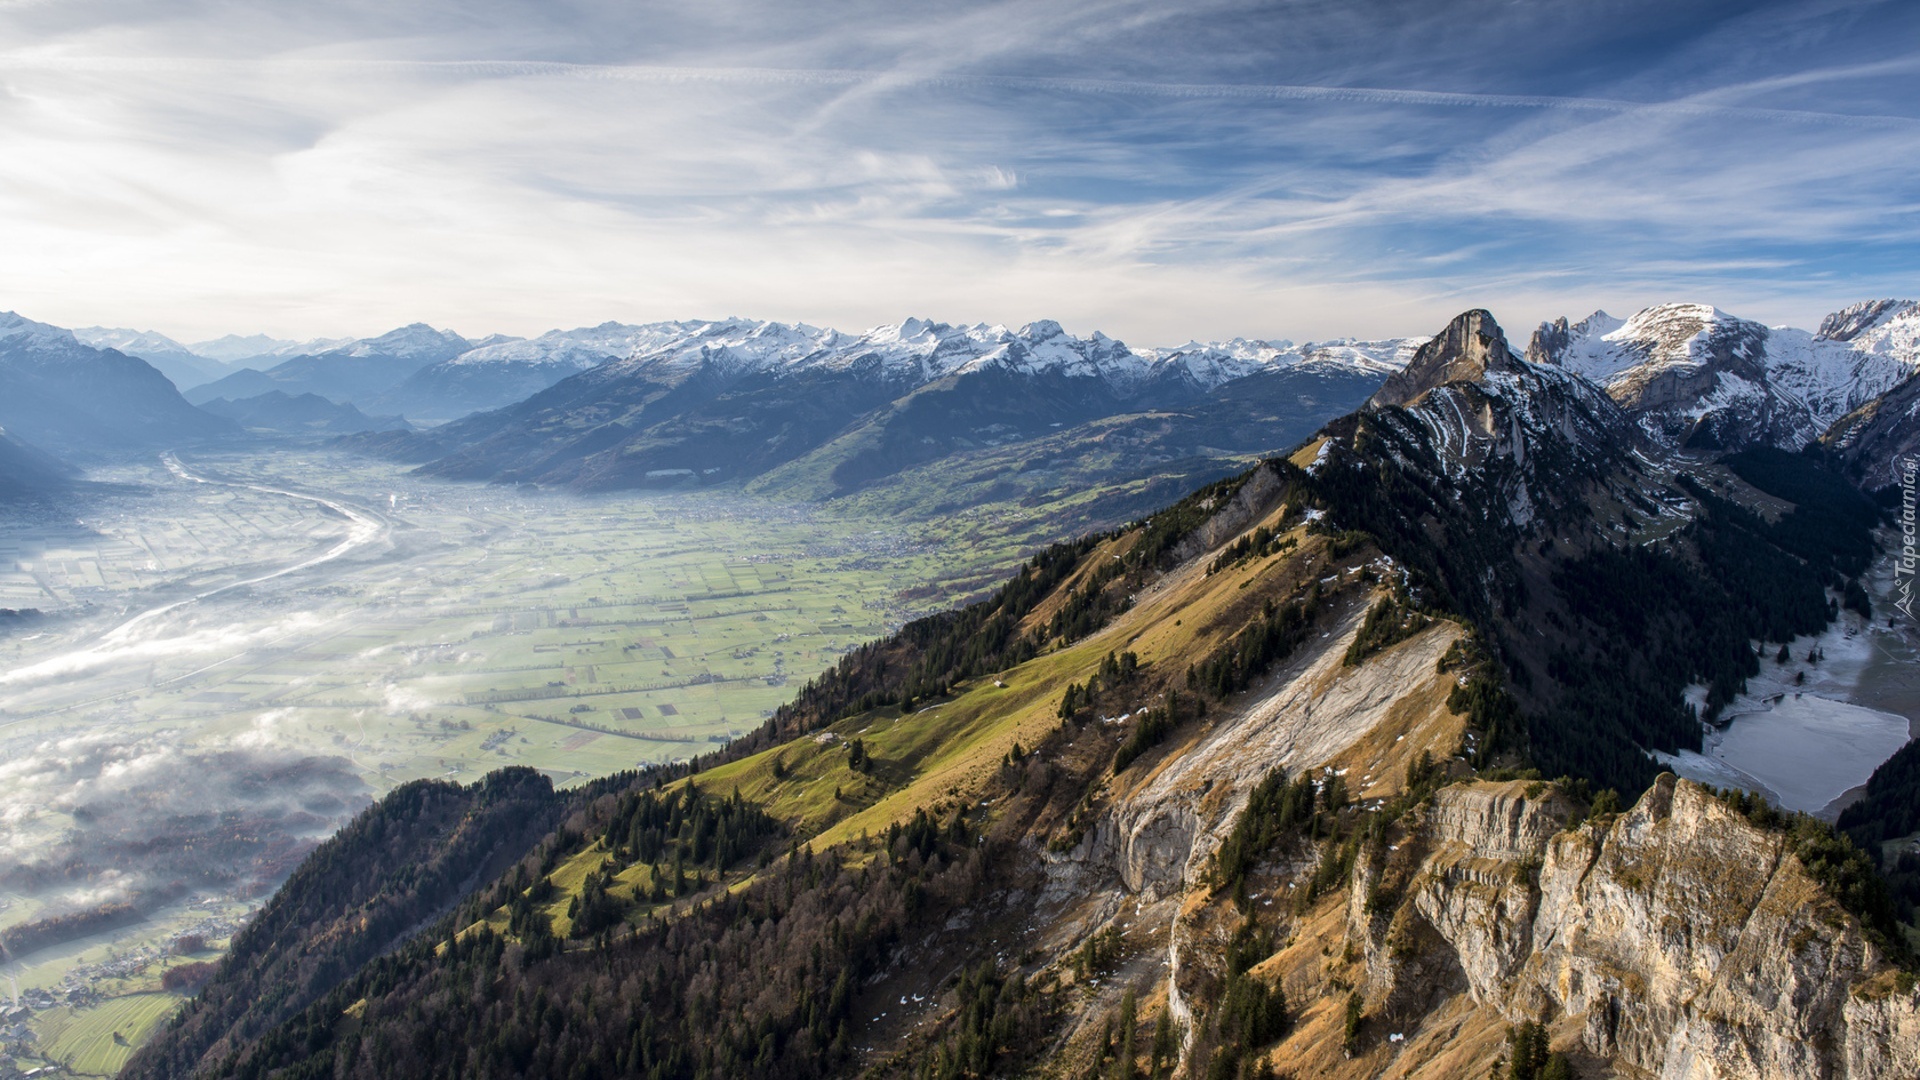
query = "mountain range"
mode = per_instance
[
  {"x": 823, "y": 413},
  {"x": 355, "y": 372},
  {"x": 798, "y": 410},
  {"x": 204, "y": 361},
  {"x": 1337, "y": 766},
  {"x": 826, "y": 414},
  {"x": 1696, "y": 377},
  {"x": 71, "y": 399}
]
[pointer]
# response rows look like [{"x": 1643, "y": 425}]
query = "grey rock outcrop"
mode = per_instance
[{"x": 1678, "y": 939}]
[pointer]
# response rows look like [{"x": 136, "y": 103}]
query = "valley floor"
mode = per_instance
[{"x": 439, "y": 631}]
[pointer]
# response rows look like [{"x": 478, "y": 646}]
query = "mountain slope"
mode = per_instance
[
  {"x": 1087, "y": 476},
  {"x": 306, "y": 414},
  {"x": 28, "y": 473},
  {"x": 177, "y": 362},
  {"x": 1201, "y": 793},
  {"x": 496, "y": 375},
  {"x": 1881, "y": 439},
  {"x": 76, "y": 400},
  {"x": 921, "y": 415},
  {"x": 351, "y": 374},
  {"x": 402, "y": 862}
]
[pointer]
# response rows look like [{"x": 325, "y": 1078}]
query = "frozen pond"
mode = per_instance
[
  {"x": 1809, "y": 750},
  {"x": 1809, "y": 731}
]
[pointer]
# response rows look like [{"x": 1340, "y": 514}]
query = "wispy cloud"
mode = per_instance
[{"x": 1159, "y": 173}]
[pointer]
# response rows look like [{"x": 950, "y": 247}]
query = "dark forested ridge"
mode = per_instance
[
  {"x": 403, "y": 861},
  {"x": 1646, "y": 621},
  {"x": 756, "y": 983},
  {"x": 1889, "y": 810}
]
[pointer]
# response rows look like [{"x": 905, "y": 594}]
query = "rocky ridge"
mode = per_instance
[
  {"x": 1236, "y": 787},
  {"x": 1694, "y": 376},
  {"x": 1881, "y": 439}
]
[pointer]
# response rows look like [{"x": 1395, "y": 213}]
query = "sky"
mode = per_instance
[{"x": 1160, "y": 172}]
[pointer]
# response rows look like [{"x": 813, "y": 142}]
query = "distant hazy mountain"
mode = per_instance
[
  {"x": 305, "y": 414},
  {"x": 257, "y": 350},
  {"x": 73, "y": 399},
  {"x": 176, "y": 361},
  {"x": 1692, "y": 375},
  {"x": 26, "y": 472},
  {"x": 835, "y": 412},
  {"x": 499, "y": 372},
  {"x": 360, "y": 371}
]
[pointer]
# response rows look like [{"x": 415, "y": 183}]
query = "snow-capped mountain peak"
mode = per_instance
[
  {"x": 14, "y": 325},
  {"x": 578, "y": 349},
  {"x": 919, "y": 350},
  {"x": 1693, "y": 374},
  {"x": 131, "y": 342},
  {"x": 409, "y": 342},
  {"x": 235, "y": 347},
  {"x": 1851, "y": 322},
  {"x": 1042, "y": 330}
]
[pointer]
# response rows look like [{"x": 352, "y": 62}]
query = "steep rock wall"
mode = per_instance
[{"x": 1677, "y": 941}]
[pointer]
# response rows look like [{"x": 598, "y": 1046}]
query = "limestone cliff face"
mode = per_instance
[{"x": 1677, "y": 940}]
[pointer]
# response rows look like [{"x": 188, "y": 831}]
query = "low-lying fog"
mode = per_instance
[{"x": 104, "y": 818}]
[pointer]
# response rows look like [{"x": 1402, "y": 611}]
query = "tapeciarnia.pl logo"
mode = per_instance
[{"x": 1903, "y": 567}]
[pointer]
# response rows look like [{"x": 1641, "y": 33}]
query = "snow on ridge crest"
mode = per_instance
[
  {"x": 582, "y": 347},
  {"x": 131, "y": 342},
  {"x": 922, "y": 350},
  {"x": 13, "y": 324},
  {"x": 1858, "y": 354},
  {"x": 1864, "y": 318},
  {"x": 410, "y": 340}
]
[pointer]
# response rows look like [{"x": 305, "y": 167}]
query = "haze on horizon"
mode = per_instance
[{"x": 1222, "y": 169}]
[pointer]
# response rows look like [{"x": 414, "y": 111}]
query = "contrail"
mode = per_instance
[{"x": 845, "y": 77}]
